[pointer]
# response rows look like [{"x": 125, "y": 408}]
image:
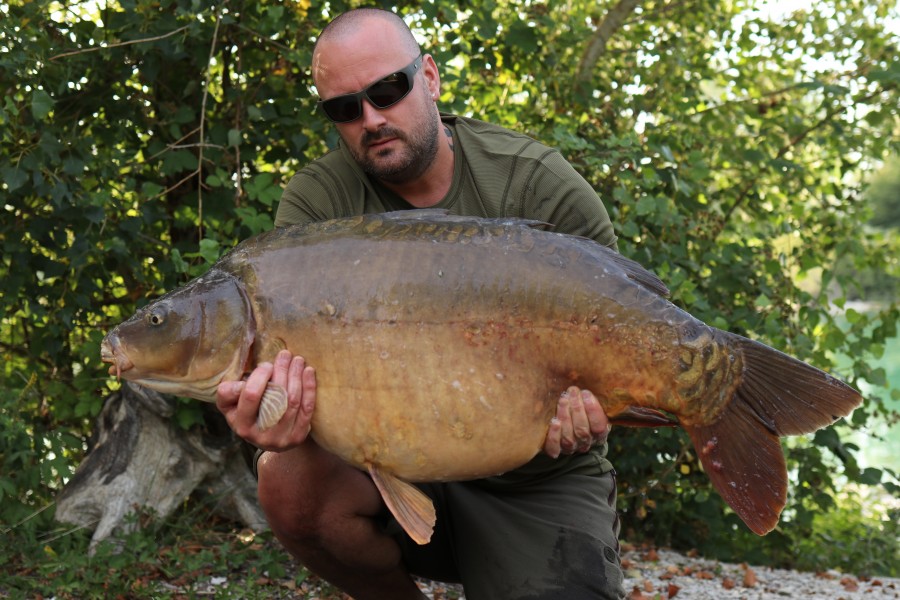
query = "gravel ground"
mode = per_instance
[
  {"x": 650, "y": 574},
  {"x": 664, "y": 574}
]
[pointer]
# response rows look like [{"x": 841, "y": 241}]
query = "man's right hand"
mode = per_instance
[{"x": 239, "y": 402}]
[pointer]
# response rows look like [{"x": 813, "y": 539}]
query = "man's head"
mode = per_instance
[{"x": 369, "y": 46}]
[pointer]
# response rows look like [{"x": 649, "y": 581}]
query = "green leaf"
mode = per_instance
[
  {"x": 178, "y": 262},
  {"x": 209, "y": 250},
  {"x": 234, "y": 137},
  {"x": 14, "y": 177},
  {"x": 188, "y": 414},
  {"x": 254, "y": 113},
  {"x": 41, "y": 104},
  {"x": 870, "y": 476},
  {"x": 523, "y": 36},
  {"x": 646, "y": 205}
]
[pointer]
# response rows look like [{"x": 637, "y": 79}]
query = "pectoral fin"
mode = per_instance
[
  {"x": 272, "y": 406},
  {"x": 412, "y": 509},
  {"x": 640, "y": 416}
]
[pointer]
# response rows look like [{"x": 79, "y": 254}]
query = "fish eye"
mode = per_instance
[{"x": 156, "y": 318}]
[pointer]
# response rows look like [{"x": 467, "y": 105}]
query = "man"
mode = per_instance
[{"x": 546, "y": 530}]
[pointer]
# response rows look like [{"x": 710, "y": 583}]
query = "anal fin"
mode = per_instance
[{"x": 412, "y": 508}]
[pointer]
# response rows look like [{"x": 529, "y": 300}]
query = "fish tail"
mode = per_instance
[{"x": 777, "y": 396}]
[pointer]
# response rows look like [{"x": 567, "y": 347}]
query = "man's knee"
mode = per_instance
[
  {"x": 306, "y": 492},
  {"x": 285, "y": 498}
]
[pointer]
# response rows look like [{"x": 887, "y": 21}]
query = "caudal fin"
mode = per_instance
[{"x": 741, "y": 452}]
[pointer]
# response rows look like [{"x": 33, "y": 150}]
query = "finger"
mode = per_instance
[
  {"x": 551, "y": 443},
  {"x": 280, "y": 368},
  {"x": 301, "y": 423},
  {"x": 564, "y": 415},
  {"x": 248, "y": 405},
  {"x": 227, "y": 395},
  {"x": 310, "y": 390},
  {"x": 596, "y": 416},
  {"x": 581, "y": 428},
  {"x": 294, "y": 381}
]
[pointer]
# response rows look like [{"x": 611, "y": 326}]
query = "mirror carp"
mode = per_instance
[{"x": 442, "y": 345}]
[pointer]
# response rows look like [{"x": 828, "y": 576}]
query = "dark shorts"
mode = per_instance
[{"x": 546, "y": 531}]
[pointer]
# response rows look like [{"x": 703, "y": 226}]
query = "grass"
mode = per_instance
[
  {"x": 189, "y": 555},
  {"x": 177, "y": 558}
]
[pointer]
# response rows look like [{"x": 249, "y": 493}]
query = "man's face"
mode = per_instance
[{"x": 398, "y": 143}]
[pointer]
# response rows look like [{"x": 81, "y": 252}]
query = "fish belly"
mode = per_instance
[{"x": 430, "y": 402}]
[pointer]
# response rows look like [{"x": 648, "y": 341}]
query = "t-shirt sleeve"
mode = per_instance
[
  {"x": 558, "y": 194},
  {"x": 305, "y": 199}
]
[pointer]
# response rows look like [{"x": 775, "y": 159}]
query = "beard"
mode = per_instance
[{"x": 398, "y": 165}]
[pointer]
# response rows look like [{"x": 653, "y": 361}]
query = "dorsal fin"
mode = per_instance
[
  {"x": 639, "y": 274},
  {"x": 632, "y": 269},
  {"x": 442, "y": 215}
]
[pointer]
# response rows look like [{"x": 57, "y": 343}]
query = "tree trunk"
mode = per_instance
[
  {"x": 596, "y": 47},
  {"x": 142, "y": 459}
]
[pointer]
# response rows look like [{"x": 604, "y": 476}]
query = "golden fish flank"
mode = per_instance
[{"x": 443, "y": 343}]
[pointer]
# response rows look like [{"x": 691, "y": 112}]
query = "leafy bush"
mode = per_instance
[{"x": 866, "y": 542}]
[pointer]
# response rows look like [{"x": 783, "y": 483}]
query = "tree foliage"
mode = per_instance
[
  {"x": 884, "y": 194},
  {"x": 141, "y": 138}
]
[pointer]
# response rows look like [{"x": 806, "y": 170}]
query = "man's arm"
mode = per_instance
[{"x": 561, "y": 196}]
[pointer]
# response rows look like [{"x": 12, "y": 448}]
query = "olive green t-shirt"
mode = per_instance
[{"x": 497, "y": 173}]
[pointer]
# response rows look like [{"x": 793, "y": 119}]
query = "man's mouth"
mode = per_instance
[{"x": 381, "y": 142}]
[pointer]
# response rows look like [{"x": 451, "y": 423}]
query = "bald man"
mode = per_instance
[{"x": 547, "y": 530}]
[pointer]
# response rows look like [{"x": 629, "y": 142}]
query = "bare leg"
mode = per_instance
[{"x": 322, "y": 511}]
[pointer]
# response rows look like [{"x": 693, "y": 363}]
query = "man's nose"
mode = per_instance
[{"x": 372, "y": 119}]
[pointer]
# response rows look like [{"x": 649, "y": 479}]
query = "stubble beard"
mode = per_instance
[{"x": 399, "y": 165}]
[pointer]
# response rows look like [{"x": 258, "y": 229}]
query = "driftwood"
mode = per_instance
[{"x": 142, "y": 459}]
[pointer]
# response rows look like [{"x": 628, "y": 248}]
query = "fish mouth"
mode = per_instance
[{"x": 111, "y": 352}]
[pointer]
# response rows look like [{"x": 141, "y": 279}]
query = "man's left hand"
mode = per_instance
[{"x": 579, "y": 424}]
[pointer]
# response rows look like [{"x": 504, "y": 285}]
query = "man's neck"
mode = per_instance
[{"x": 434, "y": 184}]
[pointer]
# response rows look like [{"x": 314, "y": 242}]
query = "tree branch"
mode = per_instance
[
  {"x": 199, "y": 171},
  {"x": 748, "y": 185},
  {"x": 614, "y": 19},
  {"x": 128, "y": 43}
]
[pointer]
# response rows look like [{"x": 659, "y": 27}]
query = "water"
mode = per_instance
[{"x": 885, "y": 452}]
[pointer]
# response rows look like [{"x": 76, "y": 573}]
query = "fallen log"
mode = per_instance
[{"x": 142, "y": 460}]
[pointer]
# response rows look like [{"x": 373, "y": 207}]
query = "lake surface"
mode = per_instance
[{"x": 884, "y": 452}]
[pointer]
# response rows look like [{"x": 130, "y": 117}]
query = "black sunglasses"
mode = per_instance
[{"x": 385, "y": 92}]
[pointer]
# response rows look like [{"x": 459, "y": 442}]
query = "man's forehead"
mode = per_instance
[{"x": 359, "y": 55}]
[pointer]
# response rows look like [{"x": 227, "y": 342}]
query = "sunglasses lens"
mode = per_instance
[
  {"x": 342, "y": 108},
  {"x": 388, "y": 91},
  {"x": 382, "y": 94}
]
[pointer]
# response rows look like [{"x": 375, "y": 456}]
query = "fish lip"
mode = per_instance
[{"x": 111, "y": 352}]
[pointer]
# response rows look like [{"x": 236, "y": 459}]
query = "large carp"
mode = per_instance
[{"x": 442, "y": 344}]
